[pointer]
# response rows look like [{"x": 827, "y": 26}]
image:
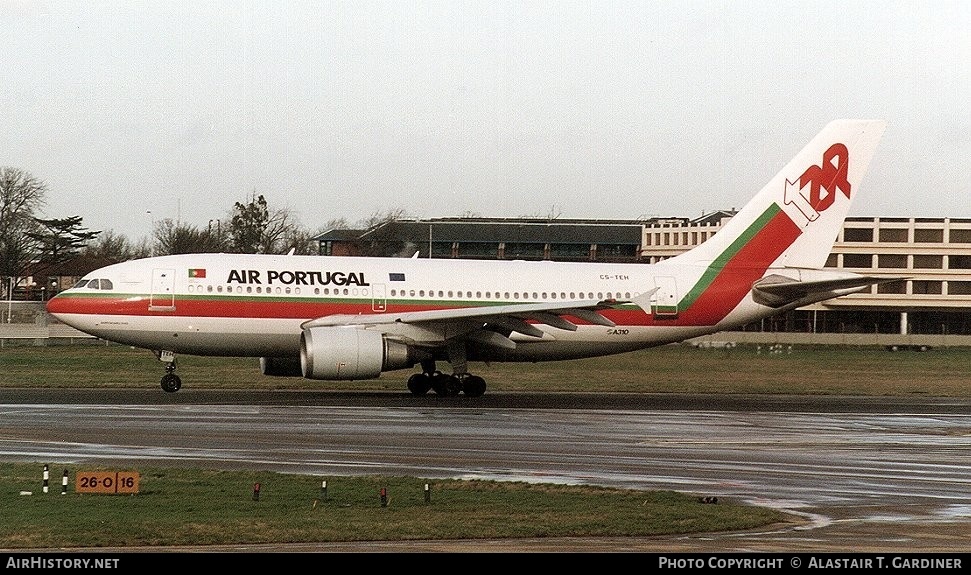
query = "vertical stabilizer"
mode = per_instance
[{"x": 796, "y": 218}]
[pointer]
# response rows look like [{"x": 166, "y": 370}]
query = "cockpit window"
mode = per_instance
[
  {"x": 80, "y": 284},
  {"x": 96, "y": 284}
]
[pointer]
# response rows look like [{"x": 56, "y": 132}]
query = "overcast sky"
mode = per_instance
[{"x": 133, "y": 111}]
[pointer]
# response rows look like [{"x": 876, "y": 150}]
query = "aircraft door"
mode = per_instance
[
  {"x": 162, "y": 297},
  {"x": 379, "y": 300},
  {"x": 665, "y": 300}
]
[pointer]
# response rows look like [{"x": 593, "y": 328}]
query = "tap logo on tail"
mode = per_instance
[{"x": 824, "y": 181}]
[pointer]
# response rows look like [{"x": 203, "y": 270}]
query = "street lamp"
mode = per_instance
[{"x": 10, "y": 301}]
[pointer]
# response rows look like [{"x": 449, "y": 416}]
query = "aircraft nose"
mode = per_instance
[{"x": 58, "y": 305}]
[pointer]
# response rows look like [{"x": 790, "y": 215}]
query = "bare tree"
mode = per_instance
[
  {"x": 173, "y": 237},
  {"x": 282, "y": 224},
  {"x": 303, "y": 242},
  {"x": 111, "y": 246},
  {"x": 21, "y": 197},
  {"x": 337, "y": 224},
  {"x": 375, "y": 244},
  {"x": 389, "y": 215}
]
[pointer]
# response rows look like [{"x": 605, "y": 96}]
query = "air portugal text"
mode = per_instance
[{"x": 300, "y": 278}]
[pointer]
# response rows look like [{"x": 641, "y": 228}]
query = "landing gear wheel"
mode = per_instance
[
  {"x": 171, "y": 382},
  {"x": 474, "y": 386},
  {"x": 446, "y": 385},
  {"x": 419, "y": 383}
]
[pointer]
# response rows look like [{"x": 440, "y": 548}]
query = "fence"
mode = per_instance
[{"x": 41, "y": 333}]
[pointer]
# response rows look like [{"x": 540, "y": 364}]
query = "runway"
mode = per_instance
[{"x": 866, "y": 474}]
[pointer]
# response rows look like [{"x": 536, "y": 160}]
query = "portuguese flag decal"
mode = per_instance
[{"x": 197, "y": 273}]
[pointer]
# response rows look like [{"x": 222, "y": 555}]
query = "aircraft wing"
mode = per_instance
[
  {"x": 486, "y": 324},
  {"x": 777, "y": 291}
]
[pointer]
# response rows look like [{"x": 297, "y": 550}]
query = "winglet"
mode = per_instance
[{"x": 643, "y": 300}]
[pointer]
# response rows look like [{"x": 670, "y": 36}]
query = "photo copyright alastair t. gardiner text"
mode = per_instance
[{"x": 808, "y": 561}]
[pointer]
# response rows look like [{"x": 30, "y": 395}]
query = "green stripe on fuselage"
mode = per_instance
[{"x": 719, "y": 263}]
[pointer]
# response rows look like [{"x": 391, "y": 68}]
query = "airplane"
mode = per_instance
[{"x": 353, "y": 318}]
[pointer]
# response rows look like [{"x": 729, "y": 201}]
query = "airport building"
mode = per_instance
[{"x": 929, "y": 260}]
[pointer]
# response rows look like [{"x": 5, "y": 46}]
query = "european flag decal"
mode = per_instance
[
  {"x": 197, "y": 273},
  {"x": 396, "y": 277}
]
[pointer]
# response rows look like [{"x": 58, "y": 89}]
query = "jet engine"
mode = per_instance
[{"x": 350, "y": 353}]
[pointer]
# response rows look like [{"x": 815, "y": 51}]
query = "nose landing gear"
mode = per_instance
[{"x": 170, "y": 382}]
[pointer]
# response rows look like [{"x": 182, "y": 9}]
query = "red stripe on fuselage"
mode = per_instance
[
  {"x": 725, "y": 292},
  {"x": 735, "y": 279}
]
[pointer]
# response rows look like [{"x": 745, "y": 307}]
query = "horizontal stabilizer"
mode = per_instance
[{"x": 777, "y": 291}]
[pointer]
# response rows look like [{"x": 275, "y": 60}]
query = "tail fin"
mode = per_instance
[{"x": 796, "y": 218}]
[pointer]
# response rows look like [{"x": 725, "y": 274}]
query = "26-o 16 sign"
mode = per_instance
[{"x": 106, "y": 482}]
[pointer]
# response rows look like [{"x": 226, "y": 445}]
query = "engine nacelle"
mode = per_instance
[
  {"x": 281, "y": 366},
  {"x": 345, "y": 353}
]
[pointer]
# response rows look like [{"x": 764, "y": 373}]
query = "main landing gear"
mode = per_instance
[
  {"x": 443, "y": 384},
  {"x": 170, "y": 382}
]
